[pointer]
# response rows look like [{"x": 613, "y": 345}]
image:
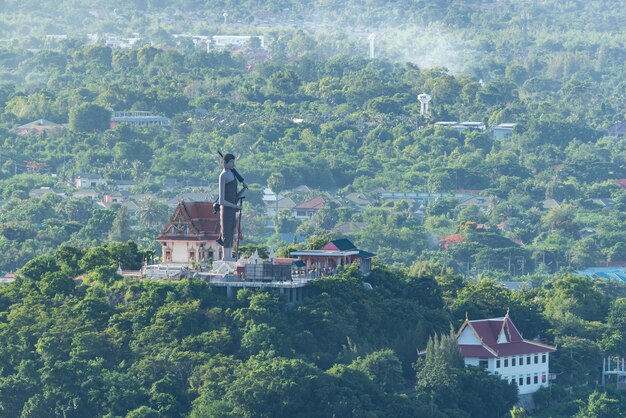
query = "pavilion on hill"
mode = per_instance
[{"x": 333, "y": 256}]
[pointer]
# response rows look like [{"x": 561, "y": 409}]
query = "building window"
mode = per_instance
[
  {"x": 506, "y": 378},
  {"x": 543, "y": 378},
  {"x": 483, "y": 363},
  {"x": 527, "y": 359},
  {"x": 513, "y": 361},
  {"x": 528, "y": 379},
  {"x": 521, "y": 381},
  {"x": 506, "y": 362},
  {"x": 521, "y": 360},
  {"x": 536, "y": 358},
  {"x": 497, "y": 364},
  {"x": 536, "y": 378},
  {"x": 543, "y": 358}
]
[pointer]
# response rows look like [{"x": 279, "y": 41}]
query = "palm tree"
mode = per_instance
[
  {"x": 276, "y": 183},
  {"x": 152, "y": 213}
]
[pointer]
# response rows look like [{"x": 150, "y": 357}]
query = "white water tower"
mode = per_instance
[
  {"x": 371, "y": 38},
  {"x": 424, "y": 99}
]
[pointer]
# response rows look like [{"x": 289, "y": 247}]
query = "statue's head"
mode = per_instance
[{"x": 229, "y": 159}]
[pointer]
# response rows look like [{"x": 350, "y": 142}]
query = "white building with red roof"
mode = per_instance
[{"x": 497, "y": 346}]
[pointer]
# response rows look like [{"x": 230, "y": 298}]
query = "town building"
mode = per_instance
[
  {"x": 191, "y": 235},
  {"x": 139, "y": 119},
  {"x": 497, "y": 346},
  {"x": 88, "y": 193},
  {"x": 305, "y": 210},
  {"x": 88, "y": 181},
  {"x": 335, "y": 256},
  {"x": 357, "y": 200},
  {"x": 461, "y": 126},
  {"x": 41, "y": 191},
  {"x": 618, "y": 130},
  {"x": 484, "y": 203},
  {"x": 116, "y": 42},
  {"x": 502, "y": 131},
  {"x": 286, "y": 203},
  {"x": 221, "y": 42}
]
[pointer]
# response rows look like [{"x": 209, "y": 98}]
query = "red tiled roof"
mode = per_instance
[
  {"x": 315, "y": 203},
  {"x": 474, "y": 351},
  {"x": 203, "y": 223},
  {"x": 488, "y": 330}
]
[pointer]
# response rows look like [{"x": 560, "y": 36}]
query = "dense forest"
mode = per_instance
[
  {"x": 78, "y": 340},
  {"x": 308, "y": 107}
]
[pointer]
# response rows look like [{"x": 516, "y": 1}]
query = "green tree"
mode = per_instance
[
  {"x": 383, "y": 367},
  {"x": 600, "y": 405},
  {"x": 120, "y": 229},
  {"x": 89, "y": 118}
]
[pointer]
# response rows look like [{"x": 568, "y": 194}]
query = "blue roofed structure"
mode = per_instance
[{"x": 607, "y": 273}]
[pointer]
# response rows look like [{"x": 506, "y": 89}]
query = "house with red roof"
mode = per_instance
[
  {"x": 497, "y": 346},
  {"x": 38, "y": 126},
  {"x": 191, "y": 234},
  {"x": 308, "y": 208}
]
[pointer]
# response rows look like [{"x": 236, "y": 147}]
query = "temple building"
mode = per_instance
[
  {"x": 191, "y": 234},
  {"x": 497, "y": 346}
]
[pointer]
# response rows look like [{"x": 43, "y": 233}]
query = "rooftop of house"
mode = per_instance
[
  {"x": 315, "y": 203},
  {"x": 39, "y": 122},
  {"x": 609, "y": 273},
  {"x": 496, "y": 337},
  {"x": 350, "y": 227},
  {"x": 284, "y": 203},
  {"x": 357, "y": 198},
  {"x": 88, "y": 176},
  {"x": 342, "y": 244}
]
